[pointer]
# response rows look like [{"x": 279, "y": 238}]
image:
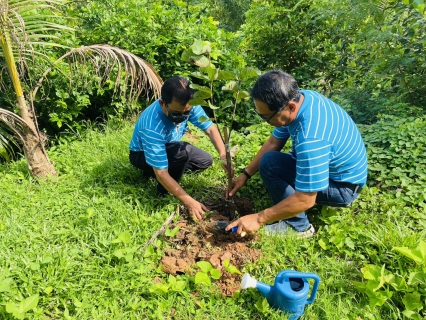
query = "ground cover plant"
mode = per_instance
[{"x": 69, "y": 247}]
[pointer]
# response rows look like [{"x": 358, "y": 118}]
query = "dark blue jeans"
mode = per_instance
[{"x": 278, "y": 171}]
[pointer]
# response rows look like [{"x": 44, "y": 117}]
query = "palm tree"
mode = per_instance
[{"x": 22, "y": 26}]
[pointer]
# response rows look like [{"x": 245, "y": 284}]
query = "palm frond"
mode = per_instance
[
  {"x": 10, "y": 122},
  {"x": 7, "y": 142},
  {"x": 105, "y": 60},
  {"x": 24, "y": 24}
]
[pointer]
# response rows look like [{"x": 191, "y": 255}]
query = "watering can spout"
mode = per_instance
[{"x": 264, "y": 289}]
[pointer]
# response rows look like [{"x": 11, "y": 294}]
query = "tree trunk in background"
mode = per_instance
[{"x": 33, "y": 143}]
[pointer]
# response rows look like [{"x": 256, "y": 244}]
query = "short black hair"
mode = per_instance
[
  {"x": 275, "y": 88},
  {"x": 177, "y": 87}
]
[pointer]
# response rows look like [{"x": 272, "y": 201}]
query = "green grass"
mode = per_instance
[{"x": 73, "y": 241}]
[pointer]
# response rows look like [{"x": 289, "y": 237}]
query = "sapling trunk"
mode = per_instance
[
  {"x": 228, "y": 158},
  {"x": 232, "y": 210}
]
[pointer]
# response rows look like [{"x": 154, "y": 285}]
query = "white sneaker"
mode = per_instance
[{"x": 281, "y": 228}]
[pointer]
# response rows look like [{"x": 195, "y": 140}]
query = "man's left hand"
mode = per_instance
[{"x": 247, "y": 224}]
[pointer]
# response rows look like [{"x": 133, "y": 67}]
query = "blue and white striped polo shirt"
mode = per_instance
[
  {"x": 326, "y": 144},
  {"x": 153, "y": 130}
]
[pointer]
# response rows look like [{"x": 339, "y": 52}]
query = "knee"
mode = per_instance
[{"x": 264, "y": 164}]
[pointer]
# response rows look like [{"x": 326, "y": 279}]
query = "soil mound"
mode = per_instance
[{"x": 196, "y": 242}]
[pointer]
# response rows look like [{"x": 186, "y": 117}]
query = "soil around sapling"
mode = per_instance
[{"x": 194, "y": 242}]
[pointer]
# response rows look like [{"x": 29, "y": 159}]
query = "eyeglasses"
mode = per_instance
[
  {"x": 177, "y": 114},
  {"x": 270, "y": 117}
]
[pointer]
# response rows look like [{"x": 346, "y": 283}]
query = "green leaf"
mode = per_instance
[
  {"x": 248, "y": 72},
  {"x": 418, "y": 254},
  {"x": 412, "y": 301},
  {"x": 226, "y": 104},
  {"x": 416, "y": 278},
  {"x": 203, "y": 278},
  {"x": 5, "y": 285},
  {"x": 226, "y": 75},
  {"x": 202, "y": 95},
  {"x": 205, "y": 266},
  {"x": 198, "y": 102},
  {"x": 201, "y": 88},
  {"x": 398, "y": 283},
  {"x": 375, "y": 274},
  {"x": 172, "y": 233},
  {"x": 200, "y": 47},
  {"x": 231, "y": 86},
  {"x": 199, "y": 75},
  {"x": 159, "y": 288},
  {"x": 233, "y": 269},
  {"x": 211, "y": 71},
  {"x": 349, "y": 243},
  {"x": 378, "y": 298},
  {"x": 215, "y": 274},
  {"x": 211, "y": 106},
  {"x": 323, "y": 243},
  {"x": 30, "y": 303},
  {"x": 262, "y": 305},
  {"x": 186, "y": 55},
  {"x": 412, "y": 315},
  {"x": 200, "y": 61}
]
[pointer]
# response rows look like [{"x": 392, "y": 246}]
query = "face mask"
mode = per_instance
[{"x": 177, "y": 117}]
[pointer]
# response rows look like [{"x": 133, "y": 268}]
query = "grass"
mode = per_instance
[{"x": 72, "y": 241}]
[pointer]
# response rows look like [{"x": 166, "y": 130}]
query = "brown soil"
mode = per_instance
[{"x": 194, "y": 242}]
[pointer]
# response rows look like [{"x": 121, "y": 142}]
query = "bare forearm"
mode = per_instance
[
  {"x": 287, "y": 208},
  {"x": 173, "y": 187},
  {"x": 271, "y": 144},
  {"x": 216, "y": 140}
]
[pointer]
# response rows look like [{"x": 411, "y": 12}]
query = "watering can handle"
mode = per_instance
[
  {"x": 295, "y": 274},
  {"x": 315, "y": 287}
]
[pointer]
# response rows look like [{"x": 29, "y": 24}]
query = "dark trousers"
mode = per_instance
[{"x": 182, "y": 156}]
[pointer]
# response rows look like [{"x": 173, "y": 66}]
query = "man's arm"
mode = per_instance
[
  {"x": 195, "y": 208},
  {"x": 285, "y": 209},
  {"x": 272, "y": 144},
  {"x": 214, "y": 136}
]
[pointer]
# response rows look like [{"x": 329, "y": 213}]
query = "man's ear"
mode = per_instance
[{"x": 292, "y": 105}]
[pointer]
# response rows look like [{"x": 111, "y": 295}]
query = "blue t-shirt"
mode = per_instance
[
  {"x": 326, "y": 144},
  {"x": 153, "y": 130}
]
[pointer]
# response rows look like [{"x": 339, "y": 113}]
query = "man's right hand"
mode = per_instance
[
  {"x": 237, "y": 184},
  {"x": 196, "y": 210}
]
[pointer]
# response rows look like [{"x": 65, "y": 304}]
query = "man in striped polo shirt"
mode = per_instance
[
  {"x": 156, "y": 147},
  {"x": 327, "y": 164}
]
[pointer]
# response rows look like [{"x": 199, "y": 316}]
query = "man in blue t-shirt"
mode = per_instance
[
  {"x": 327, "y": 164},
  {"x": 156, "y": 147}
]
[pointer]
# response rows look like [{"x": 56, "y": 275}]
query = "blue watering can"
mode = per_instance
[{"x": 290, "y": 292}]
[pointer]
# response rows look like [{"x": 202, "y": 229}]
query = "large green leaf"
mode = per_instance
[
  {"x": 211, "y": 71},
  {"x": 417, "y": 254},
  {"x": 226, "y": 75},
  {"x": 202, "y": 95},
  {"x": 198, "y": 102},
  {"x": 202, "y": 278},
  {"x": 248, "y": 72},
  {"x": 200, "y": 61},
  {"x": 231, "y": 86},
  {"x": 201, "y": 88}
]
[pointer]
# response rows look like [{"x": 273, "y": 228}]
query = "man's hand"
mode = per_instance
[
  {"x": 225, "y": 167},
  {"x": 246, "y": 224},
  {"x": 237, "y": 184},
  {"x": 196, "y": 209}
]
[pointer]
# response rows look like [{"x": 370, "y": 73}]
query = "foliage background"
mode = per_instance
[{"x": 71, "y": 242}]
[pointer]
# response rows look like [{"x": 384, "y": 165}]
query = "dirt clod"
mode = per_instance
[{"x": 195, "y": 243}]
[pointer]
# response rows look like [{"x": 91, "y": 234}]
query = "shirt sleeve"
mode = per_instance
[
  {"x": 312, "y": 165},
  {"x": 281, "y": 133},
  {"x": 197, "y": 113},
  {"x": 154, "y": 147}
]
